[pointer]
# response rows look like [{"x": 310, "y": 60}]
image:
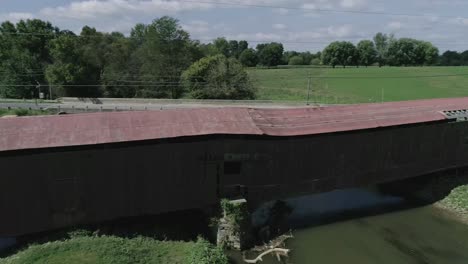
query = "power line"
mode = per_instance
[
  {"x": 321, "y": 10},
  {"x": 206, "y": 83},
  {"x": 248, "y": 40}
]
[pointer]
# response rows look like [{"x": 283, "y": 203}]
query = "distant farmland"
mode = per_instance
[{"x": 358, "y": 85}]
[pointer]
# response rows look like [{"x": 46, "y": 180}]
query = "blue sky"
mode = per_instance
[{"x": 443, "y": 22}]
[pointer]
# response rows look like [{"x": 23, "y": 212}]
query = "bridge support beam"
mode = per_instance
[{"x": 234, "y": 228}]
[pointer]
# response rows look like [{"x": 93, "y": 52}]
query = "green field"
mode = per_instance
[
  {"x": 359, "y": 85},
  {"x": 111, "y": 250}
]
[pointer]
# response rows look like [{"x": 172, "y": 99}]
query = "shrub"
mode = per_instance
[
  {"x": 217, "y": 77},
  {"x": 206, "y": 253}
]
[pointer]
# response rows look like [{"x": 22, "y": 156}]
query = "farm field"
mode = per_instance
[{"x": 360, "y": 85}]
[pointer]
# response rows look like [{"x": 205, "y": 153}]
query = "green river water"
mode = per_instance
[{"x": 418, "y": 235}]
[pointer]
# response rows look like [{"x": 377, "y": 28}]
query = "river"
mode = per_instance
[{"x": 337, "y": 228}]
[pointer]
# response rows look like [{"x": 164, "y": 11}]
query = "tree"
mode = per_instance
[
  {"x": 367, "y": 52},
  {"x": 340, "y": 53},
  {"x": 24, "y": 55},
  {"x": 288, "y": 55},
  {"x": 249, "y": 58},
  {"x": 165, "y": 52},
  {"x": 307, "y": 57},
  {"x": 296, "y": 60},
  {"x": 431, "y": 53},
  {"x": 450, "y": 58},
  {"x": 243, "y": 45},
  {"x": 234, "y": 49},
  {"x": 117, "y": 72},
  {"x": 410, "y": 52},
  {"x": 382, "y": 41},
  {"x": 270, "y": 54},
  {"x": 222, "y": 46},
  {"x": 218, "y": 77},
  {"x": 464, "y": 58},
  {"x": 315, "y": 62}
]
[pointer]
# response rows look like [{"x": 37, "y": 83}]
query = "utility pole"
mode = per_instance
[
  {"x": 38, "y": 86},
  {"x": 383, "y": 94},
  {"x": 308, "y": 90}
]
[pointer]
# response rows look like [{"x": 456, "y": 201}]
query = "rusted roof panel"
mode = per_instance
[{"x": 111, "y": 127}]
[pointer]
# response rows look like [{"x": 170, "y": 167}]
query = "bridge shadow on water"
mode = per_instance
[{"x": 349, "y": 204}]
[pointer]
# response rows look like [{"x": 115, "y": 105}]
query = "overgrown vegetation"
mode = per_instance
[
  {"x": 457, "y": 200},
  {"x": 83, "y": 247},
  {"x": 234, "y": 213},
  {"x": 23, "y": 112},
  {"x": 206, "y": 253},
  {"x": 218, "y": 77}
]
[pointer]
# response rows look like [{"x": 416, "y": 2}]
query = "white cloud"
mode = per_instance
[
  {"x": 15, "y": 16},
  {"x": 281, "y": 11},
  {"x": 335, "y": 4},
  {"x": 197, "y": 27},
  {"x": 459, "y": 21},
  {"x": 395, "y": 25},
  {"x": 340, "y": 31},
  {"x": 93, "y": 9},
  {"x": 279, "y": 26},
  {"x": 352, "y": 4}
]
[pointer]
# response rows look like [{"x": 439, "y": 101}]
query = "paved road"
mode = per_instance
[{"x": 73, "y": 107}]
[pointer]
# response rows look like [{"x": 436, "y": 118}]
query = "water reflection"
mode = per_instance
[{"x": 363, "y": 226}]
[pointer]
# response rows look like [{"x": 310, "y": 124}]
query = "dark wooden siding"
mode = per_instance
[{"x": 48, "y": 190}]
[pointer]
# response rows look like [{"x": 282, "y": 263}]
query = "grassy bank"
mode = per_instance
[
  {"x": 360, "y": 85},
  {"x": 110, "y": 249},
  {"x": 457, "y": 201},
  {"x": 23, "y": 112}
]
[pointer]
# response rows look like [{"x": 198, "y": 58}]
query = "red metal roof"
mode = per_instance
[{"x": 111, "y": 127}]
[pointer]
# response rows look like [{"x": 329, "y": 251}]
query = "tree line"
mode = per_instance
[{"x": 160, "y": 60}]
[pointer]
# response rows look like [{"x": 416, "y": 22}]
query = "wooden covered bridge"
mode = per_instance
[{"x": 58, "y": 171}]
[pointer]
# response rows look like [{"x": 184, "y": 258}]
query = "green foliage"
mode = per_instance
[
  {"x": 218, "y": 77},
  {"x": 453, "y": 58},
  {"x": 340, "y": 53},
  {"x": 270, "y": 54},
  {"x": 110, "y": 249},
  {"x": 457, "y": 200},
  {"x": 367, "y": 52},
  {"x": 410, "y": 52},
  {"x": 296, "y": 60},
  {"x": 234, "y": 212},
  {"x": 22, "y": 56},
  {"x": 206, "y": 253},
  {"x": 165, "y": 52},
  {"x": 316, "y": 61},
  {"x": 249, "y": 58},
  {"x": 382, "y": 42},
  {"x": 23, "y": 112}
]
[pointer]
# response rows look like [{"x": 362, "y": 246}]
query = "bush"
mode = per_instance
[
  {"x": 249, "y": 58},
  {"x": 296, "y": 60},
  {"x": 21, "y": 112},
  {"x": 315, "y": 62},
  {"x": 217, "y": 77},
  {"x": 206, "y": 253}
]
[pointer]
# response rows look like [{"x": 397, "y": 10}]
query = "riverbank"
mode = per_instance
[
  {"x": 84, "y": 248},
  {"x": 456, "y": 204},
  {"x": 168, "y": 238}
]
